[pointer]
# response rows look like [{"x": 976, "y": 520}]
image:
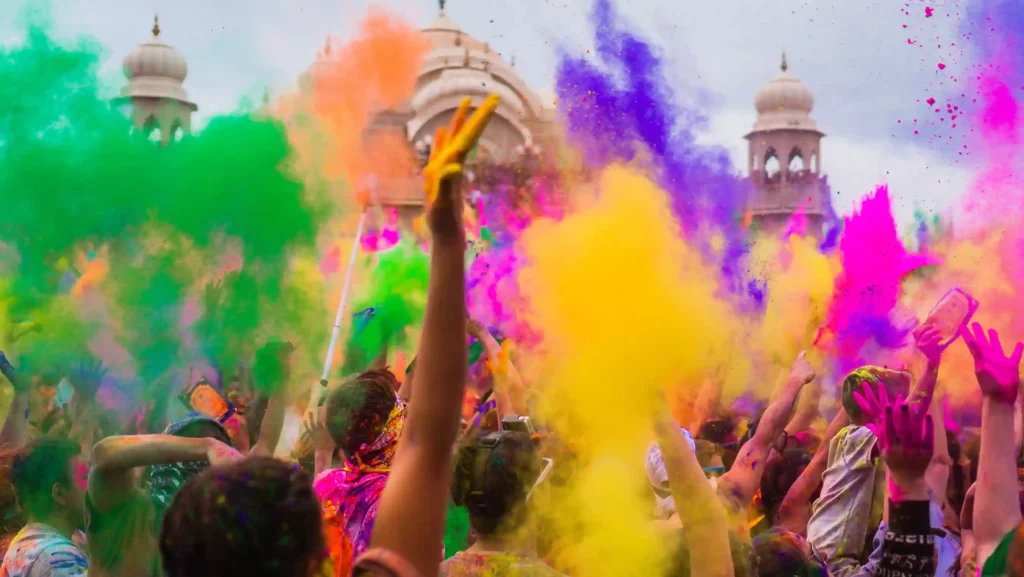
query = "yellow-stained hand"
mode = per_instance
[{"x": 451, "y": 145}]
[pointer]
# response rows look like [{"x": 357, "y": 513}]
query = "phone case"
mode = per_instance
[{"x": 952, "y": 311}]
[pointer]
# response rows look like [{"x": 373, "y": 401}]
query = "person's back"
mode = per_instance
[
  {"x": 43, "y": 475},
  {"x": 474, "y": 564},
  {"x": 365, "y": 418},
  {"x": 254, "y": 517}
]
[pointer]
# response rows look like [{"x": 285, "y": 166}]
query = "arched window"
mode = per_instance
[
  {"x": 177, "y": 133},
  {"x": 796, "y": 161},
  {"x": 814, "y": 162},
  {"x": 771, "y": 163}
]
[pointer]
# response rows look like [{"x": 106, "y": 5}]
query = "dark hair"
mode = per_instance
[
  {"x": 358, "y": 409},
  {"x": 204, "y": 428},
  {"x": 780, "y": 472},
  {"x": 36, "y": 468},
  {"x": 778, "y": 554},
  {"x": 494, "y": 491},
  {"x": 12, "y": 518},
  {"x": 852, "y": 384},
  {"x": 722, "y": 432},
  {"x": 259, "y": 516},
  {"x": 706, "y": 451}
]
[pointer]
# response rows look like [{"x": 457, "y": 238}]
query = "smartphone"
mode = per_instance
[
  {"x": 519, "y": 424},
  {"x": 205, "y": 399},
  {"x": 953, "y": 311}
]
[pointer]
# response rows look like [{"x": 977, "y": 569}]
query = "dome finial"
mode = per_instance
[
  {"x": 785, "y": 64},
  {"x": 441, "y": 4},
  {"x": 156, "y": 25}
]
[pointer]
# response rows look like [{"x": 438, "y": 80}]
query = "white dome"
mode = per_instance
[
  {"x": 784, "y": 103},
  {"x": 154, "y": 58},
  {"x": 155, "y": 70},
  {"x": 784, "y": 93}
]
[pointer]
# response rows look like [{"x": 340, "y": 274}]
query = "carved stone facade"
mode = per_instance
[
  {"x": 784, "y": 159},
  {"x": 458, "y": 66}
]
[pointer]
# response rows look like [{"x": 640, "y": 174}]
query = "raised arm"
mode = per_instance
[
  {"x": 705, "y": 525},
  {"x": 271, "y": 372},
  {"x": 14, "y": 432},
  {"x": 742, "y": 480},
  {"x": 906, "y": 438},
  {"x": 505, "y": 375},
  {"x": 411, "y": 513},
  {"x": 928, "y": 341},
  {"x": 795, "y": 509},
  {"x": 708, "y": 401},
  {"x": 996, "y": 502},
  {"x": 111, "y": 476}
]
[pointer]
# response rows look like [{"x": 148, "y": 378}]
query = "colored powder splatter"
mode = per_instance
[
  {"x": 625, "y": 309},
  {"x": 338, "y": 99},
  {"x": 621, "y": 108},
  {"x": 867, "y": 290},
  {"x": 74, "y": 175},
  {"x": 800, "y": 280},
  {"x": 394, "y": 301}
]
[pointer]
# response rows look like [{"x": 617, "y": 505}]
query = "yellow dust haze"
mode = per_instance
[{"x": 625, "y": 309}]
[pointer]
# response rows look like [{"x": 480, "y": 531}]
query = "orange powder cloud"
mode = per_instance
[{"x": 340, "y": 95}]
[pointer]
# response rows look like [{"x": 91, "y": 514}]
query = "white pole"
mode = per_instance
[{"x": 344, "y": 298}]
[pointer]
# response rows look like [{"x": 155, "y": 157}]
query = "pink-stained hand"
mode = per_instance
[
  {"x": 929, "y": 342},
  {"x": 871, "y": 404},
  {"x": 906, "y": 435},
  {"x": 998, "y": 375}
]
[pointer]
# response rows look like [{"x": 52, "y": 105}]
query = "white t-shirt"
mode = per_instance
[
  {"x": 840, "y": 521},
  {"x": 38, "y": 550}
]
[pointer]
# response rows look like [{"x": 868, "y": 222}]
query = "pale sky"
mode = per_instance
[{"x": 853, "y": 54}]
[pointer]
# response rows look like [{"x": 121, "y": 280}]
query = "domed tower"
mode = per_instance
[
  {"x": 785, "y": 158},
  {"x": 458, "y": 65},
  {"x": 158, "y": 102}
]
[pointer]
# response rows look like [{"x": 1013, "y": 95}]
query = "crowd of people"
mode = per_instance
[{"x": 384, "y": 466}]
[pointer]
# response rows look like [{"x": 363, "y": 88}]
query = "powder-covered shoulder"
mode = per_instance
[{"x": 63, "y": 559}]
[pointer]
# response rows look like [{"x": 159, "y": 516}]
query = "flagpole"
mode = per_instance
[{"x": 346, "y": 287}]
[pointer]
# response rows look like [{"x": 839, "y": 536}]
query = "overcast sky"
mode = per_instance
[{"x": 869, "y": 81}]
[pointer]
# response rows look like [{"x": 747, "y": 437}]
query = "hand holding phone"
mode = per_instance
[{"x": 950, "y": 315}]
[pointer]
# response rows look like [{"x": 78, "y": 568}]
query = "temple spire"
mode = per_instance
[
  {"x": 441, "y": 4},
  {"x": 156, "y": 25},
  {"x": 785, "y": 64}
]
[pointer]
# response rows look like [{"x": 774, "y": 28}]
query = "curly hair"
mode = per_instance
[
  {"x": 259, "y": 516},
  {"x": 358, "y": 409}
]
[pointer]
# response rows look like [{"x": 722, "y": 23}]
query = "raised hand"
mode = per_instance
[
  {"x": 318, "y": 433},
  {"x": 998, "y": 375},
  {"x": 906, "y": 437},
  {"x": 929, "y": 341},
  {"x": 440, "y": 175},
  {"x": 19, "y": 383},
  {"x": 87, "y": 376},
  {"x": 801, "y": 370},
  {"x": 872, "y": 405}
]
